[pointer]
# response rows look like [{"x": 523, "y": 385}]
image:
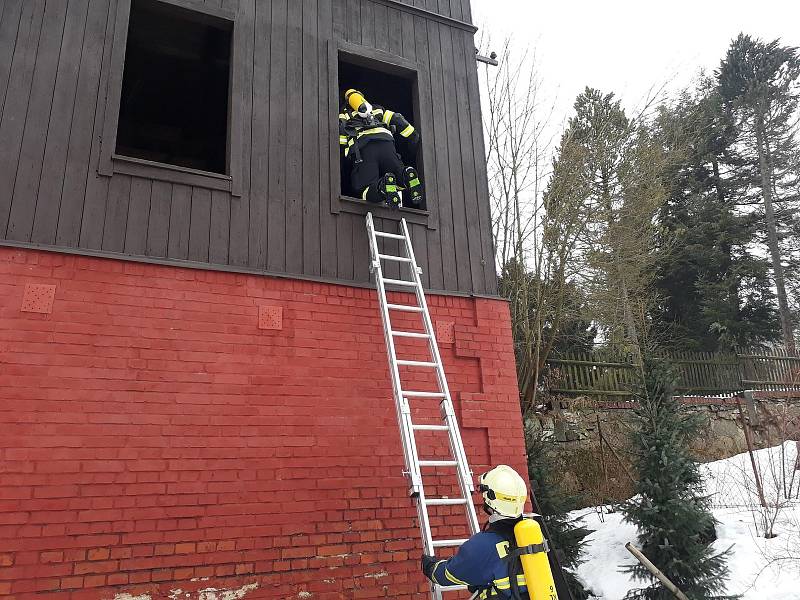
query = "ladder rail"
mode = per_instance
[
  {"x": 456, "y": 443},
  {"x": 413, "y": 463},
  {"x": 401, "y": 402}
]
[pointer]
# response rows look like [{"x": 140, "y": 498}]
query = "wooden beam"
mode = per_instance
[{"x": 655, "y": 571}]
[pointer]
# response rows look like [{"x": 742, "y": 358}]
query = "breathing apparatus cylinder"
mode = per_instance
[
  {"x": 357, "y": 102},
  {"x": 535, "y": 566}
]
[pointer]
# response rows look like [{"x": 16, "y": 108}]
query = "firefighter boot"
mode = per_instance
[
  {"x": 389, "y": 190},
  {"x": 415, "y": 193}
]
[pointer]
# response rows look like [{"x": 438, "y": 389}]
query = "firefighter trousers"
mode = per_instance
[{"x": 378, "y": 157}]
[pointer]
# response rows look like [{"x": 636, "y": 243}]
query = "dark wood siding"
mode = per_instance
[{"x": 58, "y": 66}]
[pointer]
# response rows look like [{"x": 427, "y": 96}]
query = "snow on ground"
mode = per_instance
[{"x": 731, "y": 486}]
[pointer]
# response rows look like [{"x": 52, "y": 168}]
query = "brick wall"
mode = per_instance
[{"x": 173, "y": 429}]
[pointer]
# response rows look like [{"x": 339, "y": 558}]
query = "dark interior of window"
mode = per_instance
[
  {"x": 390, "y": 90},
  {"x": 174, "y": 106}
]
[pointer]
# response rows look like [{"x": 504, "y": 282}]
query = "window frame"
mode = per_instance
[
  {"x": 110, "y": 162},
  {"x": 392, "y": 64}
]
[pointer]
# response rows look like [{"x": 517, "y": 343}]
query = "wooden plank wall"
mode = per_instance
[{"x": 55, "y": 58}]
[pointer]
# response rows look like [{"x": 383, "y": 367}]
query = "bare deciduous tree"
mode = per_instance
[
  {"x": 518, "y": 150},
  {"x": 536, "y": 218}
]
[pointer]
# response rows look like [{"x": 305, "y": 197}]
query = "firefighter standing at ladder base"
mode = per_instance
[
  {"x": 366, "y": 134},
  {"x": 507, "y": 560}
]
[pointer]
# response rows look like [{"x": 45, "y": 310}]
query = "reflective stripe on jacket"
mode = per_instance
[
  {"x": 382, "y": 124},
  {"x": 480, "y": 563}
]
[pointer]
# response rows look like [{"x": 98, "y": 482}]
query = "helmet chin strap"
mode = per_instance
[{"x": 496, "y": 516}]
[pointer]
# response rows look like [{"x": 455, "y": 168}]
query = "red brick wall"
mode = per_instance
[{"x": 166, "y": 428}]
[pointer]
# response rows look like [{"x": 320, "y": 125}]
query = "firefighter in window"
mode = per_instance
[{"x": 377, "y": 173}]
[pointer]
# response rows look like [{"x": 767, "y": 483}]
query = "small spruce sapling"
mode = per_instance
[{"x": 675, "y": 526}]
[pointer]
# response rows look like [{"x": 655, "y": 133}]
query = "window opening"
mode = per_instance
[
  {"x": 174, "y": 105},
  {"x": 390, "y": 91}
]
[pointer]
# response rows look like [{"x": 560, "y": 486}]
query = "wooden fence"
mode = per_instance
[
  {"x": 592, "y": 374},
  {"x": 608, "y": 374}
]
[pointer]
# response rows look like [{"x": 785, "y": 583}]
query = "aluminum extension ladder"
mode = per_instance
[{"x": 403, "y": 397}]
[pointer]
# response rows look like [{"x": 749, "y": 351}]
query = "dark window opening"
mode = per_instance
[
  {"x": 395, "y": 91},
  {"x": 174, "y": 106}
]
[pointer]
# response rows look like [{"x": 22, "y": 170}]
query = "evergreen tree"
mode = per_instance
[
  {"x": 715, "y": 291},
  {"x": 616, "y": 180},
  {"x": 675, "y": 527},
  {"x": 576, "y": 333},
  {"x": 758, "y": 83},
  {"x": 566, "y": 534}
]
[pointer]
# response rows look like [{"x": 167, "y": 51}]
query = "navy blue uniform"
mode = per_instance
[{"x": 481, "y": 563}]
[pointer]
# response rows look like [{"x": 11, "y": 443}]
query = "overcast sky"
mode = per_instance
[{"x": 629, "y": 47}]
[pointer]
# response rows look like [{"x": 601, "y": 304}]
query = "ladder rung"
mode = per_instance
[
  {"x": 430, "y": 427},
  {"x": 418, "y": 363},
  {"x": 410, "y": 334},
  {"x": 438, "y": 463},
  {"x": 451, "y": 588},
  {"x": 394, "y": 258},
  {"x": 392, "y": 236},
  {"x": 445, "y": 543},
  {"x": 405, "y": 307},
  {"x": 401, "y": 282},
  {"x": 423, "y": 394},
  {"x": 445, "y": 501}
]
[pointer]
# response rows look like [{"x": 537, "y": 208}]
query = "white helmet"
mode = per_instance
[{"x": 504, "y": 491}]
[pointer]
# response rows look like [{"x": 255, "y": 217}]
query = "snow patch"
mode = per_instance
[
  {"x": 606, "y": 554},
  {"x": 730, "y": 484},
  {"x": 304, "y": 595}
]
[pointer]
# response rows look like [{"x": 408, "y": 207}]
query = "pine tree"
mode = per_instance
[
  {"x": 616, "y": 180},
  {"x": 675, "y": 527},
  {"x": 716, "y": 293},
  {"x": 566, "y": 534},
  {"x": 759, "y": 84}
]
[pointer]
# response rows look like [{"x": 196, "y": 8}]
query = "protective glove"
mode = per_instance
[{"x": 428, "y": 564}]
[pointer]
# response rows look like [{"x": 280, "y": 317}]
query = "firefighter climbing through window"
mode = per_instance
[
  {"x": 367, "y": 137},
  {"x": 489, "y": 562}
]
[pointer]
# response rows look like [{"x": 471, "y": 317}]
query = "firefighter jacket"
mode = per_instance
[
  {"x": 381, "y": 124},
  {"x": 482, "y": 563}
]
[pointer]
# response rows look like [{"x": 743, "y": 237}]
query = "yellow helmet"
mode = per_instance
[
  {"x": 354, "y": 98},
  {"x": 504, "y": 491}
]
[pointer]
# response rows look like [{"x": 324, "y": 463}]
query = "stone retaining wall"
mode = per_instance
[{"x": 593, "y": 436}]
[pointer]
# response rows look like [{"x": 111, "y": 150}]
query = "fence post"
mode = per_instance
[
  {"x": 741, "y": 367},
  {"x": 748, "y": 438},
  {"x": 749, "y": 398},
  {"x": 797, "y": 459}
]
